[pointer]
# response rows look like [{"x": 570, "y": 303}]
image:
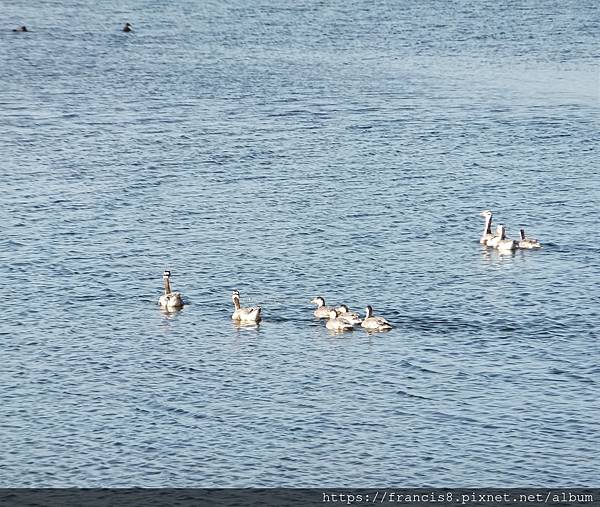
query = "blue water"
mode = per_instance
[{"x": 292, "y": 149}]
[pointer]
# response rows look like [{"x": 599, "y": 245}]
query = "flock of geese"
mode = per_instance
[
  {"x": 499, "y": 240},
  {"x": 340, "y": 319}
]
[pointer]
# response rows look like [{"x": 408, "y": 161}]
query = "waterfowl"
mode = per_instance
[
  {"x": 500, "y": 242},
  {"x": 322, "y": 311},
  {"x": 128, "y": 27},
  {"x": 169, "y": 300},
  {"x": 337, "y": 324},
  {"x": 374, "y": 323},
  {"x": 250, "y": 314},
  {"x": 487, "y": 229},
  {"x": 350, "y": 317},
  {"x": 174, "y": 301},
  {"x": 528, "y": 242},
  {"x": 496, "y": 237},
  {"x": 20, "y": 29}
]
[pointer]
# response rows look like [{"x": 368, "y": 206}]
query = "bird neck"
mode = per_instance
[
  {"x": 236, "y": 302},
  {"x": 488, "y": 225},
  {"x": 522, "y": 232},
  {"x": 167, "y": 285}
]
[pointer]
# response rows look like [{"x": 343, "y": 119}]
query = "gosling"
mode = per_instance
[
  {"x": 350, "y": 317},
  {"x": 372, "y": 323},
  {"x": 322, "y": 311},
  {"x": 528, "y": 242},
  {"x": 337, "y": 324}
]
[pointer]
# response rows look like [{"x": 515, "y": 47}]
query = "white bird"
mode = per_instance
[
  {"x": 322, "y": 311},
  {"x": 337, "y": 324},
  {"x": 350, "y": 317},
  {"x": 487, "y": 228},
  {"x": 169, "y": 300},
  {"x": 495, "y": 239},
  {"x": 500, "y": 242},
  {"x": 528, "y": 242},
  {"x": 374, "y": 323},
  {"x": 250, "y": 314}
]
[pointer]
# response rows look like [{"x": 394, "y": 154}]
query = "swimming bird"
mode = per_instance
[
  {"x": 350, "y": 317},
  {"x": 169, "y": 300},
  {"x": 250, "y": 314},
  {"x": 128, "y": 27},
  {"x": 20, "y": 29},
  {"x": 500, "y": 242},
  {"x": 496, "y": 237},
  {"x": 337, "y": 324},
  {"x": 487, "y": 229},
  {"x": 322, "y": 311},
  {"x": 374, "y": 323},
  {"x": 175, "y": 301},
  {"x": 528, "y": 242}
]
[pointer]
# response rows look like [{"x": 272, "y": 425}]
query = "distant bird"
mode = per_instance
[
  {"x": 251, "y": 314},
  {"x": 20, "y": 29},
  {"x": 487, "y": 229},
  {"x": 322, "y": 311},
  {"x": 350, "y": 317},
  {"x": 337, "y": 324},
  {"x": 496, "y": 237},
  {"x": 372, "y": 323},
  {"x": 500, "y": 242},
  {"x": 528, "y": 242},
  {"x": 128, "y": 27},
  {"x": 169, "y": 300}
]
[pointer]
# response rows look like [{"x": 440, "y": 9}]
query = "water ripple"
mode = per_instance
[{"x": 336, "y": 148}]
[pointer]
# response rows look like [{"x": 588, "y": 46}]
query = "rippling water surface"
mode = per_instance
[{"x": 290, "y": 149}]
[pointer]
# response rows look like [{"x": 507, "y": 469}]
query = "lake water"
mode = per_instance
[{"x": 292, "y": 149}]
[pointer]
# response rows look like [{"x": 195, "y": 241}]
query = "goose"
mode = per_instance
[
  {"x": 337, "y": 324},
  {"x": 487, "y": 229},
  {"x": 169, "y": 300},
  {"x": 500, "y": 242},
  {"x": 496, "y": 237},
  {"x": 528, "y": 242},
  {"x": 250, "y": 314},
  {"x": 322, "y": 311},
  {"x": 174, "y": 301},
  {"x": 374, "y": 323},
  {"x": 128, "y": 27},
  {"x": 350, "y": 317},
  {"x": 20, "y": 29}
]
